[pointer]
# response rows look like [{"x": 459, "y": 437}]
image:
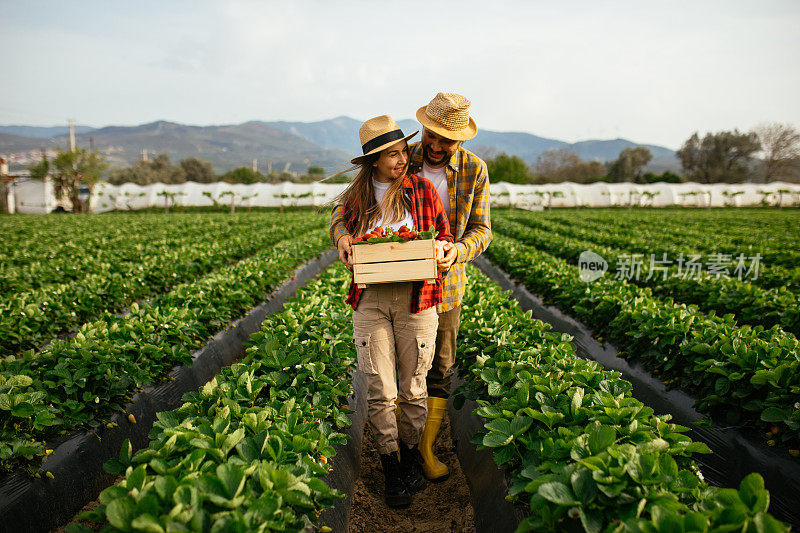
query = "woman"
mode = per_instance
[{"x": 394, "y": 323}]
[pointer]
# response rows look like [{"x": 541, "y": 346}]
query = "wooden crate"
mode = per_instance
[{"x": 390, "y": 262}]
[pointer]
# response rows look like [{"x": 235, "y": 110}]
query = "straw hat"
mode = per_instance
[
  {"x": 377, "y": 134},
  {"x": 448, "y": 115}
]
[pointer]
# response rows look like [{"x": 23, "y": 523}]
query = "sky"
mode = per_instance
[{"x": 651, "y": 72}]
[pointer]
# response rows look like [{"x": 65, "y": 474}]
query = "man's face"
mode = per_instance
[{"x": 437, "y": 150}]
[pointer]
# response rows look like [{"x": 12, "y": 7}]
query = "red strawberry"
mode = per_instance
[
  {"x": 412, "y": 235},
  {"x": 403, "y": 229}
]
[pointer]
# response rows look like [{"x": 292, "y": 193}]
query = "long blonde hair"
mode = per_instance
[{"x": 359, "y": 196}]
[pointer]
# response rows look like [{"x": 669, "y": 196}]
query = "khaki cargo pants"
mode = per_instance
[{"x": 395, "y": 350}]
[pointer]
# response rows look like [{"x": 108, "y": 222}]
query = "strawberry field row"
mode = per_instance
[
  {"x": 643, "y": 240},
  {"x": 248, "y": 451},
  {"x": 742, "y": 375},
  {"x": 84, "y": 379},
  {"x": 101, "y": 245},
  {"x": 581, "y": 451},
  {"x": 772, "y": 233},
  {"x": 29, "y": 319},
  {"x": 749, "y": 303}
]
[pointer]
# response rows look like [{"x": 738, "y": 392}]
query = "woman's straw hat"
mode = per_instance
[
  {"x": 377, "y": 134},
  {"x": 448, "y": 115}
]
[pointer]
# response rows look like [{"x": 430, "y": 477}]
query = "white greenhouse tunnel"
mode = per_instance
[{"x": 32, "y": 196}]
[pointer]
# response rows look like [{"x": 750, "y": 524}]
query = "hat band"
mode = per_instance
[{"x": 382, "y": 139}]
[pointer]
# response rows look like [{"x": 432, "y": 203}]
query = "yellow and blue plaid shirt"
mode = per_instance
[{"x": 468, "y": 188}]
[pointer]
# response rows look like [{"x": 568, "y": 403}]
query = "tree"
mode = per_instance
[
  {"x": 718, "y": 157},
  {"x": 198, "y": 170},
  {"x": 780, "y": 144},
  {"x": 69, "y": 171},
  {"x": 510, "y": 169},
  {"x": 563, "y": 164},
  {"x": 629, "y": 165},
  {"x": 666, "y": 177},
  {"x": 159, "y": 170},
  {"x": 243, "y": 175}
]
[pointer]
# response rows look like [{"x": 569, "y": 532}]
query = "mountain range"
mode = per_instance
[{"x": 293, "y": 145}]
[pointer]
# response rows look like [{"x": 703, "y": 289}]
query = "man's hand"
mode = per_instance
[
  {"x": 445, "y": 262},
  {"x": 345, "y": 246}
]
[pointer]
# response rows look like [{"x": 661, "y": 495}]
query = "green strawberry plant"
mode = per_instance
[
  {"x": 249, "y": 449},
  {"x": 749, "y": 303},
  {"x": 87, "y": 378},
  {"x": 583, "y": 454},
  {"x": 741, "y": 375},
  {"x": 30, "y": 318}
]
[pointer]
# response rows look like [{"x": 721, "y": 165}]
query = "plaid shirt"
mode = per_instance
[
  {"x": 426, "y": 211},
  {"x": 468, "y": 187}
]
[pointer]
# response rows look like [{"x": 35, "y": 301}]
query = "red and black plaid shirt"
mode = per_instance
[{"x": 426, "y": 211}]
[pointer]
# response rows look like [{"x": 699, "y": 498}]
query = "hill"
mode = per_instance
[
  {"x": 327, "y": 143},
  {"x": 42, "y": 132},
  {"x": 225, "y": 147},
  {"x": 341, "y": 133}
]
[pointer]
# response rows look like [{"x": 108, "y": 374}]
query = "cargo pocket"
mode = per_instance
[
  {"x": 363, "y": 354},
  {"x": 426, "y": 345}
]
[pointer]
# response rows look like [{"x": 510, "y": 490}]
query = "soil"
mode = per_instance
[
  {"x": 94, "y": 526},
  {"x": 439, "y": 508}
]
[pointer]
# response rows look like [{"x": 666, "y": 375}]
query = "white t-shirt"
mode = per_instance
[
  {"x": 380, "y": 190},
  {"x": 438, "y": 177}
]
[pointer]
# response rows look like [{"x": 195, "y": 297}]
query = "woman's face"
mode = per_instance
[{"x": 392, "y": 163}]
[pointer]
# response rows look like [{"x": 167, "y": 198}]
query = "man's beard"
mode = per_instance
[{"x": 427, "y": 158}]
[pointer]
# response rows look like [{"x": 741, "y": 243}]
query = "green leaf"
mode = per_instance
[
  {"x": 600, "y": 438},
  {"x": 767, "y": 524},
  {"x": 166, "y": 486},
  {"x": 495, "y": 440},
  {"x": 147, "y": 523},
  {"x": 500, "y": 425},
  {"x": 23, "y": 410},
  {"x": 557, "y": 492},
  {"x": 773, "y": 414},
  {"x": 232, "y": 477},
  {"x": 20, "y": 381},
  {"x": 653, "y": 446},
  {"x": 126, "y": 452},
  {"x": 583, "y": 485},
  {"x": 520, "y": 425},
  {"x": 592, "y": 521},
  {"x": 577, "y": 400},
  {"x": 753, "y": 494},
  {"x": 121, "y": 512}
]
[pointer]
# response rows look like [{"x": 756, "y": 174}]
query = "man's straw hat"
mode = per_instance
[
  {"x": 377, "y": 134},
  {"x": 448, "y": 115}
]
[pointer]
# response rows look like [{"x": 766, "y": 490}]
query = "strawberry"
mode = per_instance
[
  {"x": 403, "y": 229},
  {"x": 413, "y": 235}
]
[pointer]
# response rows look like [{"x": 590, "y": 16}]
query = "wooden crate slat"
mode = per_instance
[
  {"x": 413, "y": 270},
  {"x": 394, "y": 251}
]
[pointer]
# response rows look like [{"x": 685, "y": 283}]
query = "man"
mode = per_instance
[{"x": 462, "y": 181}]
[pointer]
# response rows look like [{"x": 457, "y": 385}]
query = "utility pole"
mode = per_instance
[
  {"x": 91, "y": 144},
  {"x": 269, "y": 167},
  {"x": 255, "y": 165},
  {"x": 72, "y": 135}
]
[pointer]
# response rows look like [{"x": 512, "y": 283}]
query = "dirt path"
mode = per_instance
[{"x": 440, "y": 508}]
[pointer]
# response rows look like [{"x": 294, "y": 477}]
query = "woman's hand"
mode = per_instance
[
  {"x": 445, "y": 255},
  {"x": 345, "y": 246}
]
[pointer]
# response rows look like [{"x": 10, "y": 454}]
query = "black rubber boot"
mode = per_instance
[
  {"x": 411, "y": 468},
  {"x": 395, "y": 491}
]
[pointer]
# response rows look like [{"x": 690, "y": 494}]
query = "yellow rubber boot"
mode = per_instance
[{"x": 433, "y": 469}]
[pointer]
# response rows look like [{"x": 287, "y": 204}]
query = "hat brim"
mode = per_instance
[
  {"x": 360, "y": 159},
  {"x": 458, "y": 135}
]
